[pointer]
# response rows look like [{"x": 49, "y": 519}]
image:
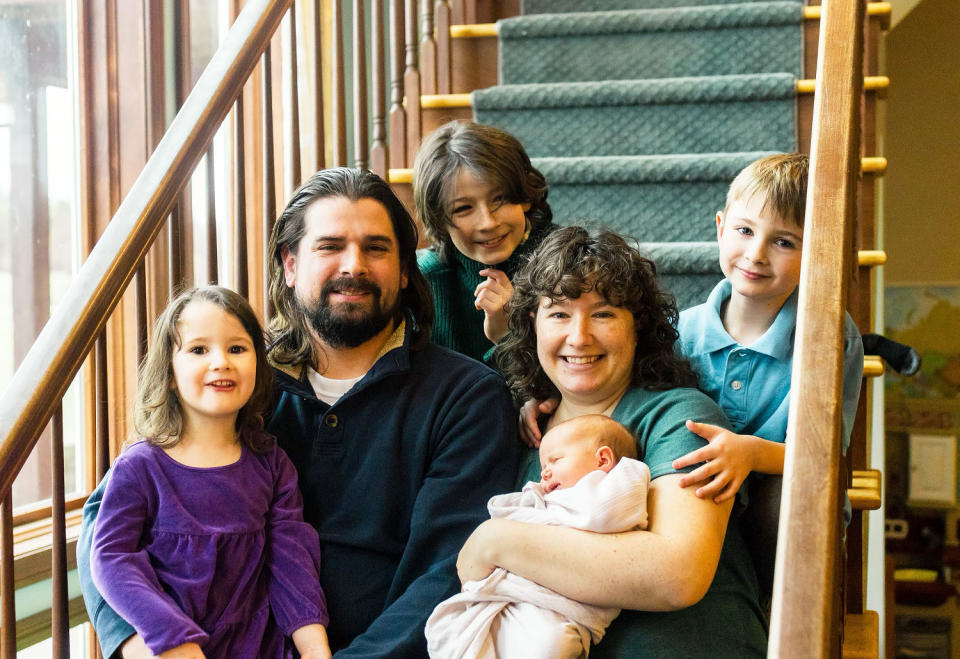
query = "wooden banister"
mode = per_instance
[
  {"x": 804, "y": 591},
  {"x": 65, "y": 340}
]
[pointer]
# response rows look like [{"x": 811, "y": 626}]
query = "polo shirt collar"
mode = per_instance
[{"x": 777, "y": 341}]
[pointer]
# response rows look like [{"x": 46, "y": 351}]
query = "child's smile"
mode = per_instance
[{"x": 759, "y": 251}]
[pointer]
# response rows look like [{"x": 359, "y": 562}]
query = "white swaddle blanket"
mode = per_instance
[{"x": 491, "y": 618}]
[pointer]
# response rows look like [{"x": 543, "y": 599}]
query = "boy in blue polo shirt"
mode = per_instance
[{"x": 741, "y": 344}]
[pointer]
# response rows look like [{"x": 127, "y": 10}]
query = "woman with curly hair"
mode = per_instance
[{"x": 589, "y": 326}]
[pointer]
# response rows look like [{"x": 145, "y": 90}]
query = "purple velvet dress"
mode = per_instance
[{"x": 217, "y": 556}]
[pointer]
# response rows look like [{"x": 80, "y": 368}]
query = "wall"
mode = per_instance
[{"x": 922, "y": 144}]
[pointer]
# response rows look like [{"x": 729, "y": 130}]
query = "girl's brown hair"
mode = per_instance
[
  {"x": 568, "y": 263},
  {"x": 490, "y": 154},
  {"x": 158, "y": 415}
]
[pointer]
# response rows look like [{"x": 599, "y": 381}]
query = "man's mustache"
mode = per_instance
[{"x": 355, "y": 284}]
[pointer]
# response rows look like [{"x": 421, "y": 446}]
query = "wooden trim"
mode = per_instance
[
  {"x": 871, "y": 257},
  {"x": 873, "y": 165},
  {"x": 805, "y": 86},
  {"x": 55, "y": 357},
  {"x": 475, "y": 31},
  {"x": 867, "y": 165},
  {"x": 35, "y": 628},
  {"x": 872, "y": 366},
  {"x": 804, "y": 591}
]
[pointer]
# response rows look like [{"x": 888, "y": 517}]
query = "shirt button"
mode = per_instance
[
  {"x": 735, "y": 385},
  {"x": 331, "y": 420}
]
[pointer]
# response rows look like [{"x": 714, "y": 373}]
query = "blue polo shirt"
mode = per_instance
[{"x": 751, "y": 384}]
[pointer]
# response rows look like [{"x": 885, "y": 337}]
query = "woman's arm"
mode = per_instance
[{"x": 669, "y": 566}]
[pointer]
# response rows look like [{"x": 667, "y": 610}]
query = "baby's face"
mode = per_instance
[{"x": 566, "y": 457}]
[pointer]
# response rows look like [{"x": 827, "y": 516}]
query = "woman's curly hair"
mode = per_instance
[{"x": 568, "y": 263}]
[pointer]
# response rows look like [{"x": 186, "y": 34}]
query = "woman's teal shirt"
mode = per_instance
[{"x": 728, "y": 621}]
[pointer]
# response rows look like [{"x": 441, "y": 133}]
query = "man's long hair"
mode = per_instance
[{"x": 292, "y": 342}]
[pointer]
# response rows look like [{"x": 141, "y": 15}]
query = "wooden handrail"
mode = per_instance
[
  {"x": 55, "y": 357},
  {"x": 804, "y": 587}
]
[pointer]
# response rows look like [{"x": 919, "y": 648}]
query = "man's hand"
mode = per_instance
[
  {"x": 490, "y": 297},
  {"x": 729, "y": 458},
  {"x": 185, "y": 651},
  {"x": 530, "y": 414},
  {"x": 475, "y": 561}
]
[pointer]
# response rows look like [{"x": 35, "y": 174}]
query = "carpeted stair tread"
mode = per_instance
[
  {"x": 654, "y": 198},
  {"x": 690, "y": 89},
  {"x": 642, "y": 117},
  {"x": 761, "y": 37},
  {"x": 567, "y": 6},
  {"x": 689, "y": 270},
  {"x": 668, "y": 168}
]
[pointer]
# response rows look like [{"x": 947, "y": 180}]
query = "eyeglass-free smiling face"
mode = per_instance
[
  {"x": 586, "y": 347},
  {"x": 759, "y": 251},
  {"x": 485, "y": 226},
  {"x": 215, "y": 365}
]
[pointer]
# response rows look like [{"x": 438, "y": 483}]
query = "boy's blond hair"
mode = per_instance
[{"x": 781, "y": 179}]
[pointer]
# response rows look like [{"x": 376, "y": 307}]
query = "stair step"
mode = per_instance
[
  {"x": 656, "y": 198},
  {"x": 568, "y": 6},
  {"x": 644, "y": 117},
  {"x": 759, "y": 37}
]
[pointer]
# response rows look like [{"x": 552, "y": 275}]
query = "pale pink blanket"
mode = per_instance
[{"x": 491, "y": 619}]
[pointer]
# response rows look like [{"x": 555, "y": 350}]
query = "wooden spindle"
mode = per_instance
[
  {"x": 269, "y": 173},
  {"x": 470, "y": 12},
  {"x": 379, "y": 154},
  {"x": 360, "y": 145},
  {"x": 213, "y": 269},
  {"x": 240, "y": 203},
  {"x": 411, "y": 82},
  {"x": 428, "y": 51},
  {"x": 8, "y": 612},
  {"x": 339, "y": 102},
  {"x": 59, "y": 610},
  {"x": 444, "y": 61},
  {"x": 458, "y": 12},
  {"x": 140, "y": 286},
  {"x": 102, "y": 399},
  {"x": 398, "y": 116},
  {"x": 293, "y": 138},
  {"x": 319, "y": 142}
]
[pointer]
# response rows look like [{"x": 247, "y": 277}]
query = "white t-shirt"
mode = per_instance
[{"x": 327, "y": 389}]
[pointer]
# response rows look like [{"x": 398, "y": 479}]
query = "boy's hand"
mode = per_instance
[
  {"x": 490, "y": 297},
  {"x": 530, "y": 413},
  {"x": 728, "y": 459}
]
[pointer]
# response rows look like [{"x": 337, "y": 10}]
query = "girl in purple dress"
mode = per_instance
[{"x": 200, "y": 543}]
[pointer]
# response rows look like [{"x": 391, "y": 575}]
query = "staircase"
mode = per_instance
[
  {"x": 648, "y": 149},
  {"x": 639, "y": 113}
]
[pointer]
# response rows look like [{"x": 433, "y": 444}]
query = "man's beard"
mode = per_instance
[{"x": 347, "y": 325}]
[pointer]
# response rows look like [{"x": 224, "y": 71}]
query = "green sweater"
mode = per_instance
[{"x": 458, "y": 324}]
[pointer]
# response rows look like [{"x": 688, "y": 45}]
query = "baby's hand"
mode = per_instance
[
  {"x": 490, "y": 297},
  {"x": 185, "y": 651},
  {"x": 529, "y": 415},
  {"x": 728, "y": 461}
]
